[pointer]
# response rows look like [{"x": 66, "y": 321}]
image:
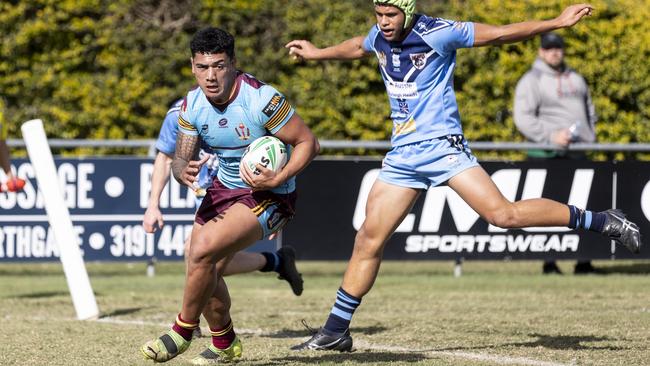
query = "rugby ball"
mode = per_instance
[{"x": 268, "y": 151}]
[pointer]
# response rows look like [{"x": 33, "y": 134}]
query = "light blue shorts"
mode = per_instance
[{"x": 427, "y": 163}]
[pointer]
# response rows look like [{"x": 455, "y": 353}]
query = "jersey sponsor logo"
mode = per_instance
[
  {"x": 424, "y": 28},
  {"x": 273, "y": 105},
  {"x": 381, "y": 56},
  {"x": 223, "y": 123},
  {"x": 396, "y": 63},
  {"x": 419, "y": 60},
  {"x": 243, "y": 132},
  {"x": 404, "y": 107},
  {"x": 281, "y": 114},
  {"x": 402, "y": 90},
  {"x": 204, "y": 129},
  {"x": 275, "y": 220}
]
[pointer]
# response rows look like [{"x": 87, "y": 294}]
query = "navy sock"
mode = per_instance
[
  {"x": 342, "y": 311},
  {"x": 584, "y": 219},
  {"x": 272, "y": 262}
]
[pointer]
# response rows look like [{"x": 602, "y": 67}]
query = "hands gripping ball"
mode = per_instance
[{"x": 268, "y": 151}]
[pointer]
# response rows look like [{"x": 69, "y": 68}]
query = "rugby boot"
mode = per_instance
[
  {"x": 323, "y": 340},
  {"x": 165, "y": 347},
  {"x": 288, "y": 270},
  {"x": 214, "y": 356},
  {"x": 621, "y": 230}
]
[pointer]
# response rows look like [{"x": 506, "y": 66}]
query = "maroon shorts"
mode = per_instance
[{"x": 273, "y": 210}]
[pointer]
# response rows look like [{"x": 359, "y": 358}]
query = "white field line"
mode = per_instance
[{"x": 502, "y": 360}]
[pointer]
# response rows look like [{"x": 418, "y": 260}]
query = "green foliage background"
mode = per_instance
[{"x": 109, "y": 69}]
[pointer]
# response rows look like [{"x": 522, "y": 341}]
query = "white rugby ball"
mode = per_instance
[{"x": 268, "y": 151}]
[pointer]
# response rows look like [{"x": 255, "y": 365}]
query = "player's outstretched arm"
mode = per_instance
[
  {"x": 161, "y": 170},
  {"x": 350, "y": 49},
  {"x": 485, "y": 34}
]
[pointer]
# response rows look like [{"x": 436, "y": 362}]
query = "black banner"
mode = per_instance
[
  {"x": 441, "y": 226},
  {"x": 107, "y": 198}
]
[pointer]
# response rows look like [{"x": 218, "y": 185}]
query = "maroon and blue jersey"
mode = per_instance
[{"x": 254, "y": 110}]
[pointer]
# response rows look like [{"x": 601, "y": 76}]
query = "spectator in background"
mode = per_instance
[
  {"x": 553, "y": 106},
  {"x": 12, "y": 183}
]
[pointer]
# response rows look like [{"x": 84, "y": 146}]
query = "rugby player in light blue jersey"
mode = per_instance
[
  {"x": 281, "y": 261},
  {"x": 417, "y": 56},
  {"x": 228, "y": 111}
]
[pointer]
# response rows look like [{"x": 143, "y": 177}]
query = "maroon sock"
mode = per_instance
[
  {"x": 185, "y": 328},
  {"x": 222, "y": 338}
]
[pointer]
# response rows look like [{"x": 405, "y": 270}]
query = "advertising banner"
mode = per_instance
[
  {"x": 107, "y": 198},
  {"x": 332, "y": 197}
]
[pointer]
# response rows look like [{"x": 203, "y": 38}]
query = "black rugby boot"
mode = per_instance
[
  {"x": 288, "y": 270},
  {"x": 621, "y": 230},
  {"x": 324, "y": 340}
]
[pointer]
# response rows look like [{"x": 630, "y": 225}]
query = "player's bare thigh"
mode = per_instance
[
  {"x": 227, "y": 233},
  {"x": 478, "y": 190},
  {"x": 386, "y": 207}
]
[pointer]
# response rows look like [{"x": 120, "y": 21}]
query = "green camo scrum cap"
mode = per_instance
[{"x": 407, "y": 6}]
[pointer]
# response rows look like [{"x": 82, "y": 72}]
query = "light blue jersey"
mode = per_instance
[
  {"x": 254, "y": 110},
  {"x": 166, "y": 144},
  {"x": 418, "y": 74}
]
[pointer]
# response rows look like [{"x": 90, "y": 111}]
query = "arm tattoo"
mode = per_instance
[{"x": 187, "y": 148}]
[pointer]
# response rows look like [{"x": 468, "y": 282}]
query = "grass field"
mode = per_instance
[{"x": 497, "y": 313}]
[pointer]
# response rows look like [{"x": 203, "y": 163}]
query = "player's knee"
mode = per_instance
[
  {"x": 367, "y": 243},
  {"x": 200, "y": 252},
  {"x": 504, "y": 217}
]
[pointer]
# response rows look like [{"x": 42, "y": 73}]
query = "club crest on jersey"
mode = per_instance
[
  {"x": 419, "y": 60},
  {"x": 223, "y": 123},
  {"x": 381, "y": 56},
  {"x": 243, "y": 132},
  {"x": 273, "y": 105}
]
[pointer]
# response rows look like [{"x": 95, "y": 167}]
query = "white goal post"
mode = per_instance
[{"x": 58, "y": 216}]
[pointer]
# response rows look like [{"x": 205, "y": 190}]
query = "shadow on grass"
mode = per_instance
[
  {"x": 634, "y": 268},
  {"x": 40, "y": 295},
  {"x": 557, "y": 342},
  {"x": 119, "y": 312},
  {"x": 12, "y": 271},
  {"x": 293, "y": 333},
  {"x": 358, "y": 357},
  {"x": 564, "y": 342}
]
